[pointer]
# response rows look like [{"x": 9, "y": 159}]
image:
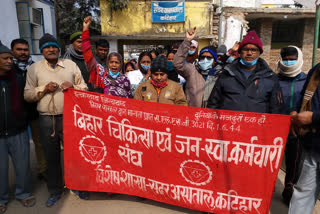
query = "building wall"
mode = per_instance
[
  {"x": 48, "y": 16},
  {"x": 8, "y": 22},
  {"x": 131, "y": 24},
  {"x": 267, "y": 5},
  {"x": 264, "y": 30},
  {"x": 271, "y": 55},
  {"x": 237, "y": 3}
]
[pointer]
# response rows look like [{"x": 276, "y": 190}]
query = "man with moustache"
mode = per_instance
[
  {"x": 14, "y": 140},
  {"x": 101, "y": 52},
  {"x": 248, "y": 83},
  {"x": 74, "y": 53},
  {"x": 46, "y": 82},
  {"x": 22, "y": 60}
]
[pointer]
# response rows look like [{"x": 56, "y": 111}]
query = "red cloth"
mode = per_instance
[
  {"x": 91, "y": 61},
  {"x": 251, "y": 38},
  {"x": 159, "y": 86},
  {"x": 203, "y": 159}
]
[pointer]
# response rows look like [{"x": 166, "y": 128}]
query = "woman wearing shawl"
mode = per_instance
[{"x": 111, "y": 80}]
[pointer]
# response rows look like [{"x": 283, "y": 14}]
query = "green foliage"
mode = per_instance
[
  {"x": 70, "y": 15},
  {"x": 118, "y": 4}
]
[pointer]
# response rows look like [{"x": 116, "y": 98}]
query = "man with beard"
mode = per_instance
[{"x": 22, "y": 60}]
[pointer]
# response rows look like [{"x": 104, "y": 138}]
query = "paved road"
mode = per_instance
[{"x": 99, "y": 203}]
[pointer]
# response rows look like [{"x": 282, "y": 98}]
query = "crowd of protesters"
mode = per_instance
[{"x": 32, "y": 94}]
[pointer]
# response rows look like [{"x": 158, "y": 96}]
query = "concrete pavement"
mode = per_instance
[{"x": 99, "y": 203}]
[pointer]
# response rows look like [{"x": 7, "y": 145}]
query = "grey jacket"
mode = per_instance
[{"x": 195, "y": 83}]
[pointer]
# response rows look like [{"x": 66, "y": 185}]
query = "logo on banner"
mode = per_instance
[
  {"x": 92, "y": 149},
  {"x": 196, "y": 172}
]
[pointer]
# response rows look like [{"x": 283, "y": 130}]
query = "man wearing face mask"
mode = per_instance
[
  {"x": 193, "y": 52},
  {"x": 199, "y": 78},
  {"x": 248, "y": 84},
  {"x": 292, "y": 80}
]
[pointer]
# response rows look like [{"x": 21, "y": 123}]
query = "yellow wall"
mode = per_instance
[
  {"x": 136, "y": 21},
  {"x": 202, "y": 43},
  {"x": 267, "y": 5}
]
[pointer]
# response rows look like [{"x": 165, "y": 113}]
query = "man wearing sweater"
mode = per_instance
[{"x": 46, "y": 82}]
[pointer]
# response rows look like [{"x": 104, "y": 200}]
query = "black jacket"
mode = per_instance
[
  {"x": 12, "y": 122},
  {"x": 81, "y": 63},
  {"x": 261, "y": 92},
  {"x": 311, "y": 140},
  {"x": 31, "y": 108}
]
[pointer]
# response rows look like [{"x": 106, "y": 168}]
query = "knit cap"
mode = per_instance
[
  {"x": 251, "y": 38},
  {"x": 75, "y": 36},
  {"x": 209, "y": 49},
  {"x": 221, "y": 50},
  {"x": 4, "y": 49},
  {"x": 47, "y": 40},
  {"x": 159, "y": 64}
]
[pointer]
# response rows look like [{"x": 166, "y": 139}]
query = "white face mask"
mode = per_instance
[{"x": 205, "y": 64}]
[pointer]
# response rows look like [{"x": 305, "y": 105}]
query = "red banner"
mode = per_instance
[{"x": 202, "y": 159}]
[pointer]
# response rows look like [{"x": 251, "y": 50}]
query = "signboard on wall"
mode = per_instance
[{"x": 167, "y": 11}]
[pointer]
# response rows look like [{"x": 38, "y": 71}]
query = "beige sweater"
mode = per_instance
[{"x": 40, "y": 74}]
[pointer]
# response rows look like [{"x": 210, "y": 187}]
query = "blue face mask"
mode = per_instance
[
  {"x": 289, "y": 62},
  {"x": 170, "y": 66},
  {"x": 145, "y": 67},
  {"x": 191, "y": 52},
  {"x": 230, "y": 59},
  {"x": 205, "y": 64},
  {"x": 114, "y": 75},
  {"x": 248, "y": 64}
]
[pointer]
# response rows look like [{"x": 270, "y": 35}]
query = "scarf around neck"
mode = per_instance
[
  {"x": 159, "y": 86},
  {"x": 72, "y": 52},
  {"x": 23, "y": 65},
  {"x": 293, "y": 70}
]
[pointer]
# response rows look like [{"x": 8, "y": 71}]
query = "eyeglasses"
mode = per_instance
[
  {"x": 253, "y": 50},
  {"x": 208, "y": 57}
]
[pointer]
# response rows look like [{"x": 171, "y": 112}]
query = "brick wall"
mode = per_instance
[
  {"x": 265, "y": 33},
  {"x": 307, "y": 46}
]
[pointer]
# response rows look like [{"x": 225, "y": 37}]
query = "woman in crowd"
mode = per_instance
[
  {"x": 110, "y": 80},
  {"x": 173, "y": 75},
  {"x": 129, "y": 66},
  {"x": 142, "y": 74},
  {"x": 159, "y": 88}
]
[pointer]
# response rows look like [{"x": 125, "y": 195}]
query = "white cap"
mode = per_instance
[{"x": 194, "y": 43}]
